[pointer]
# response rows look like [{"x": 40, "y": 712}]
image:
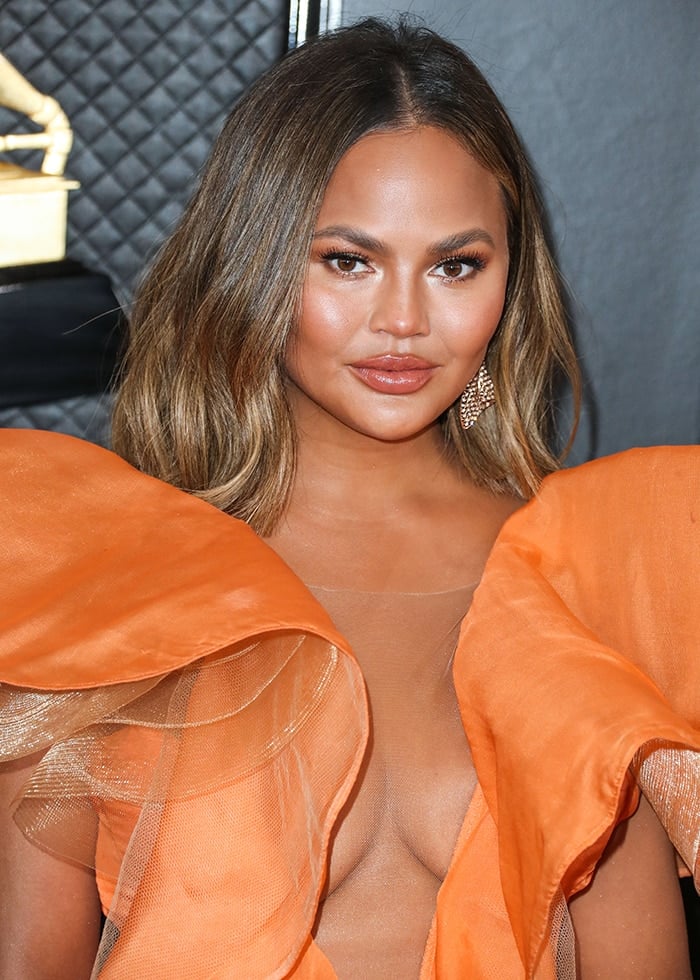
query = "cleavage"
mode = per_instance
[{"x": 407, "y": 807}]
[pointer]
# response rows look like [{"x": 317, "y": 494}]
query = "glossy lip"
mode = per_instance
[{"x": 394, "y": 374}]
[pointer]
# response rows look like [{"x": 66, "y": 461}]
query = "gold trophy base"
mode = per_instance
[{"x": 33, "y": 209}]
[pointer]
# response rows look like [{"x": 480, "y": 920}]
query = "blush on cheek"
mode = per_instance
[
  {"x": 482, "y": 326},
  {"x": 493, "y": 314},
  {"x": 327, "y": 317}
]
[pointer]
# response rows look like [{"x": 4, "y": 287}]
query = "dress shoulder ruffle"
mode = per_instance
[
  {"x": 187, "y": 689},
  {"x": 578, "y": 669},
  {"x": 181, "y": 684},
  {"x": 119, "y": 577}
]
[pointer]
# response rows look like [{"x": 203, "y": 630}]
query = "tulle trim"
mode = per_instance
[
  {"x": 558, "y": 961},
  {"x": 33, "y": 720},
  {"x": 207, "y": 796}
]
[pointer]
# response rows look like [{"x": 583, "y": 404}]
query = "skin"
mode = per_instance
[
  {"x": 369, "y": 463},
  {"x": 386, "y": 276},
  {"x": 629, "y": 922},
  {"x": 410, "y": 257},
  {"x": 376, "y": 506},
  {"x": 49, "y": 909}
]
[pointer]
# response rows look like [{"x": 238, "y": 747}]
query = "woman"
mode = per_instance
[{"x": 317, "y": 351}]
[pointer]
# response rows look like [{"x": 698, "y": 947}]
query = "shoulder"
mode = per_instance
[
  {"x": 118, "y": 576},
  {"x": 649, "y": 497},
  {"x": 643, "y": 472},
  {"x": 49, "y": 471},
  {"x": 469, "y": 525},
  {"x": 39, "y": 448}
]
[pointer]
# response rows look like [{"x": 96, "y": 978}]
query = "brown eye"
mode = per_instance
[
  {"x": 346, "y": 263},
  {"x": 453, "y": 268},
  {"x": 459, "y": 268}
]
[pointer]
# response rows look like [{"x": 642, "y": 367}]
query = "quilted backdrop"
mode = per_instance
[{"x": 145, "y": 86}]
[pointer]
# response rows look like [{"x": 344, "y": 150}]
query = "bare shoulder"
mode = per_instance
[
  {"x": 629, "y": 922},
  {"x": 49, "y": 909}
]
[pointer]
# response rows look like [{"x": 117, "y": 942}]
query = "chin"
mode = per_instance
[{"x": 397, "y": 432}]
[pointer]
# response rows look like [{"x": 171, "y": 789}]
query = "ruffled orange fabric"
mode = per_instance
[
  {"x": 202, "y": 713},
  {"x": 593, "y": 668},
  {"x": 188, "y": 686}
]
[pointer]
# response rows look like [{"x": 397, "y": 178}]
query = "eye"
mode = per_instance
[
  {"x": 347, "y": 263},
  {"x": 459, "y": 267}
]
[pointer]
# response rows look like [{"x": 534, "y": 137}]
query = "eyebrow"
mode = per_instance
[
  {"x": 463, "y": 239},
  {"x": 359, "y": 238},
  {"x": 355, "y": 236}
]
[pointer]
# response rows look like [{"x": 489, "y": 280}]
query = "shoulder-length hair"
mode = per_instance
[{"x": 203, "y": 401}]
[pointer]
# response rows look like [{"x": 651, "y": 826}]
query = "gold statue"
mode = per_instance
[{"x": 33, "y": 204}]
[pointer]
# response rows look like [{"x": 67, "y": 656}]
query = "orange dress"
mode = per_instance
[{"x": 194, "y": 695}]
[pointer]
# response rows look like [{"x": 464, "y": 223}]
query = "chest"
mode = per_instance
[{"x": 417, "y": 778}]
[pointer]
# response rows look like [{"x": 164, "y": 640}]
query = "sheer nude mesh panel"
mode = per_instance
[
  {"x": 214, "y": 792},
  {"x": 395, "y": 841},
  {"x": 669, "y": 777},
  {"x": 562, "y": 942}
]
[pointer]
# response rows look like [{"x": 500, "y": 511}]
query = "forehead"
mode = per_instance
[{"x": 409, "y": 176}]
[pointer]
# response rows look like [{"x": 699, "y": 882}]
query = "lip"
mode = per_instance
[{"x": 394, "y": 374}]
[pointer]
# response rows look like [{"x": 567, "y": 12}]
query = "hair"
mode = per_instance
[{"x": 203, "y": 401}]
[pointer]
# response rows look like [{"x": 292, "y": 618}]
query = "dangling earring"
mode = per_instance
[{"x": 476, "y": 397}]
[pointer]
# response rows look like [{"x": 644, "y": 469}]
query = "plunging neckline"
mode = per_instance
[
  {"x": 475, "y": 805},
  {"x": 477, "y": 810}
]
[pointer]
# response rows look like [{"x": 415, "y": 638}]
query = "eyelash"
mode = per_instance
[
  {"x": 334, "y": 254},
  {"x": 473, "y": 260}
]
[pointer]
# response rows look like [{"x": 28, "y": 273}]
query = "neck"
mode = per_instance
[
  {"x": 383, "y": 516},
  {"x": 343, "y": 472}
]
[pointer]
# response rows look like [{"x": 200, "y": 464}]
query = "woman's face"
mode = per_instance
[{"x": 405, "y": 285}]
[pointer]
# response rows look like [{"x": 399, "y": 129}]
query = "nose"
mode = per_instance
[{"x": 399, "y": 307}]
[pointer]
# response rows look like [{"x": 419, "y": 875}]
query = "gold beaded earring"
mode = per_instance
[{"x": 476, "y": 397}]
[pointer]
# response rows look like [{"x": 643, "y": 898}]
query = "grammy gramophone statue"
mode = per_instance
[
  {"x": 33, "y": 204},
  {"x": 60, "y": 323}
]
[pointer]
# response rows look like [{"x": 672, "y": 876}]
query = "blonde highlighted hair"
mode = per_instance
[{"x": 202, "y": 401}]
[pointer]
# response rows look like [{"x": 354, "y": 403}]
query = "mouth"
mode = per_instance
[{"x": 394, "y": 374}]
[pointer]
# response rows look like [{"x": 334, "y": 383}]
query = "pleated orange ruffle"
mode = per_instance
[
  {"x": 189, "y": 687},
  {"x": 593, "y": 668}
]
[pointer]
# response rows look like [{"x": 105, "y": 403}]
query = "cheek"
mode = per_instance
[
  {"x": 325, "y": 321},
  {"x": 492, "y": 313},
  {"x": 478, "y": 322},
  {"x": 312, "y": 341}
]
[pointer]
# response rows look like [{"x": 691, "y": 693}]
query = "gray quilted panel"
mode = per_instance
[
  {"x": 85, "y": 416},
  {"x": 146, "y": 87}
]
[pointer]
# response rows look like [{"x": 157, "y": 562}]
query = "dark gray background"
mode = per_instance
[
  {"x": 146, "y": 86},
  {"x": 606, "y": 95}
]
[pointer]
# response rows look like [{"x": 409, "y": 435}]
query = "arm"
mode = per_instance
[
  {"x": 629, "y": 922},
  {"x": 49, "y": 909}
]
